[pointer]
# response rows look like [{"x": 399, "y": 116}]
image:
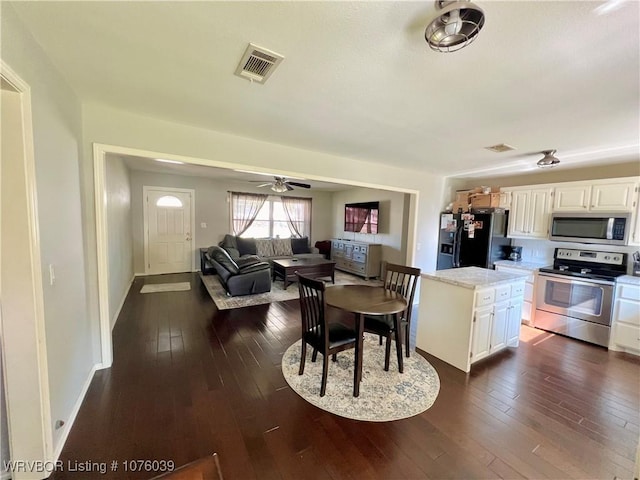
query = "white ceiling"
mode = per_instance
[
  {"x": 358, "y": 79},
  {"x": 223, "y": 175}
]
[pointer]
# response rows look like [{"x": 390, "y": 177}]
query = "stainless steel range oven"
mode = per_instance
[{"x": 575, "y": 295}]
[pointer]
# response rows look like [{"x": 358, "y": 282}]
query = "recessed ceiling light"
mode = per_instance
[{"x": 169, "y": 161}]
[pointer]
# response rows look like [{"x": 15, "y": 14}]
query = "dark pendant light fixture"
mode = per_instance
[
  {"x": 549, "y": 160},
  {"x": 457, "y": 25}
]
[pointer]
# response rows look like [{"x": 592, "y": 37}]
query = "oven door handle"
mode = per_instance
[{"x": 569, "y": 279}]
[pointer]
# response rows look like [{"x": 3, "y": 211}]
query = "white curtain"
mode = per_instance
[
  {"x": 298, "y": 212},
  {"x": 244, "y": 210}
]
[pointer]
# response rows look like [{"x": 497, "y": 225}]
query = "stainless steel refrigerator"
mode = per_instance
[{"x": 472, "y": 239}]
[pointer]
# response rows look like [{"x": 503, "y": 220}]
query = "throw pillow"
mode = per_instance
[
  {"x": 282, "y": 247},
  {"x": 264, "y": 247},
  {"x": 300, "y": 245},
  {"x": 246, "y": 246}
]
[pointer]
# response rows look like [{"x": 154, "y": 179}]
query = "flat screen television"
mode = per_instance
[{"x": 361, "y": 217}]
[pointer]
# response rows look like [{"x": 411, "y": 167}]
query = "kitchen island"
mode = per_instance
[{"x": 467, "y": 314}]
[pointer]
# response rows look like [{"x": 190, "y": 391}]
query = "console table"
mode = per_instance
[{"x": 356, "y": 257}]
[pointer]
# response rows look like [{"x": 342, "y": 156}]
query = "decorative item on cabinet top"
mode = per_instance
[{"x": 478, "y": 197}]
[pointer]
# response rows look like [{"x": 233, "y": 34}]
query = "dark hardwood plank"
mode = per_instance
[{"x": 188, "y": 380}]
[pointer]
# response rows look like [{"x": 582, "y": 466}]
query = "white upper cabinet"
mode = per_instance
[
  {"x": 572, "y": 198},
  {"x": 595, "y": 196},
  {"x": 529, "y": 215},
  {"x": 612, "y": 197}
]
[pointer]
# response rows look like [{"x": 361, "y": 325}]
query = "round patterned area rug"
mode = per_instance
[{"x": 384, "y": 396}]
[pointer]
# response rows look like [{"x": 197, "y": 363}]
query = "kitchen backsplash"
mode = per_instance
[{"x": 541, "y": 251}]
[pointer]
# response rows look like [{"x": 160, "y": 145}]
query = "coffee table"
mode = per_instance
[{"x": 311, "y": 267}]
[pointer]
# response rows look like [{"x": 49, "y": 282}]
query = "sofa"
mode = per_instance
[
  {"x": 269, "y": 248},
  {"x": 245, "y": 276}
]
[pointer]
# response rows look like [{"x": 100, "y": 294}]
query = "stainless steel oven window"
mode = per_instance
[
  {"x": 578, "y": 298},
  {"x": 589, "y": 300}
]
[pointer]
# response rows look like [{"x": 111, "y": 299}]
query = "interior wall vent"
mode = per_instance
[
  {"x": 257, "y": 63},
  {"x": 501, "y": 147}
]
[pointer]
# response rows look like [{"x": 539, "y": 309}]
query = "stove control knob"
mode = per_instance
[
  {"x": 616, "y": 259},
  {"x": 607, "y": 257}
]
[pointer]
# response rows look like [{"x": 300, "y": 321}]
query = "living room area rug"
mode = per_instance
[
  {"x": 384, "y": 396},
  {"x": 165, "y": 287},
  {"x": 277, "y": 293}
]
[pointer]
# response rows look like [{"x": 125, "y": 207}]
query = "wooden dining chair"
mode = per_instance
[
  {"x": 324, "y": 337},
  {"x": 403, "y": 280}
]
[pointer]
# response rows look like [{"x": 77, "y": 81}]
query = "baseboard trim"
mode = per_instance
[
  {"x": 74, "y": 412},
  {"x": 124, "y": 299},
  {"x": 140, "y": 274}
]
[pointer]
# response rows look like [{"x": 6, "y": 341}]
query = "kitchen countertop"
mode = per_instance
[
  {"x": 473, "y": 277},
  {"x": 629, "y": 280},
  {"x": 530, "y": 266}
]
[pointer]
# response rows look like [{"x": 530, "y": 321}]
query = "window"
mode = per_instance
[
  {"x": 168, "y": 201},
  {"x": 275, "y": 218},
  {"x": 271, "y": 221}
]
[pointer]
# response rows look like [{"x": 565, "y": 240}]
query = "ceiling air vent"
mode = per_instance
[
  {"x": 258, "y": 63},
  {"x": 500, "y": 148}
]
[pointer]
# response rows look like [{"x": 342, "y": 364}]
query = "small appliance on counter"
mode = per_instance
[
  {"x": 636, "y": 264},
  {"x": 515, "y": 253}
]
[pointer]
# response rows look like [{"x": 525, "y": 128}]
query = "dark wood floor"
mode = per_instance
[{"x": 188, "y": 380}]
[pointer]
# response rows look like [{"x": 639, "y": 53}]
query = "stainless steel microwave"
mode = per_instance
[{"x": 591, "y": 227}]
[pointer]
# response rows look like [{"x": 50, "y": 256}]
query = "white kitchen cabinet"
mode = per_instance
[
  {"x": 528, "y": 307},
  {"x": 481, "y": 335},
  {"x": 571, "y": 198},
  {"x": 499, "y": 322},
  {"x": 461, "y": 322},
  {"x": 594, "y": 196},
  {"x": 612, "y": 197},
  {"x": 529, "y": 215},
  {"x": 635, "y": 232},
  {"x": 625, "y": 325},
  {"x": 513, "y": 322}
]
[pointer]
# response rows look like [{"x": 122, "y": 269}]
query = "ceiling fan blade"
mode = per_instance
[
  {"x": 301, "y": 185},
  {"x": 264, "y": 185},
  {"x": 289, "y": 187}
]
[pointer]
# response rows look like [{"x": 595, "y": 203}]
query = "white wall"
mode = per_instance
[
  {"x": 118, "y": 200},
  {"x": 211, "y": 207},
  {"x": 4, "y": 428},
  {"x": 110, "y": 126},
  {"x": 392, "y": 226},
  {"x": 57, "y": 141}
]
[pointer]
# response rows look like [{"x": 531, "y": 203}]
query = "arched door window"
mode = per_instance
[{"x": 169, "y": 201}]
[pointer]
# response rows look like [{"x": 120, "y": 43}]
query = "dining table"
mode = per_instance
[{"x": 366, "y": 300}]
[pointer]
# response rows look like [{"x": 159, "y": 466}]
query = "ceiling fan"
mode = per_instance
[{"x": 281, "y": 184}]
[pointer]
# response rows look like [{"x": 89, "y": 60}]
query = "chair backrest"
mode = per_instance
[
  {"x": 312, "y": 306},
  {"x": 402, "y": 279}
]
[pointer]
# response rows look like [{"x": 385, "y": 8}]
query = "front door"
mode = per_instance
[{"x": 168, "y": 221}]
